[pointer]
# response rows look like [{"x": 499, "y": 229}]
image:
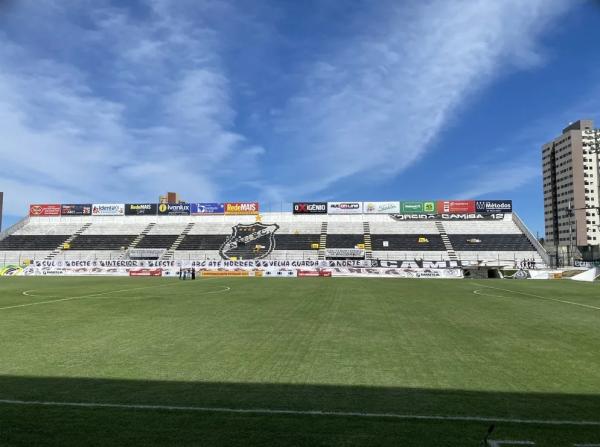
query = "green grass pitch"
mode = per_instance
[{"x": 379, "y": 358}]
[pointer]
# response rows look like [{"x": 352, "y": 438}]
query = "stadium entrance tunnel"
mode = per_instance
[
  {"x": 50, "y": 411},
  {"x": 482, "y": 273}
]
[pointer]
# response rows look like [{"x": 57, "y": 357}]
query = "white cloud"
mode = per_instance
[
  {"x": 106, "y": 103},
  {"x": 501, "y": 179},
  {"x": 125, "y": 109},
  {"x": 372, "y": 109}
]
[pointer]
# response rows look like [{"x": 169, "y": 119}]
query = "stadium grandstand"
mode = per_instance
[{"x": 460, "y": 233}]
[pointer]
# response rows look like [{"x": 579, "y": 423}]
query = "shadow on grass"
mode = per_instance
[{"x": 59, "y": 425}]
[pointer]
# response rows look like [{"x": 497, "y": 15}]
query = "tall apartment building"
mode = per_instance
[{"x": 571, "y": 174}]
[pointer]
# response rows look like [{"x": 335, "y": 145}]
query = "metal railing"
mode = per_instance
[
  {"x": 10, "y": 230},
  {"x": 539, "y": 248}
]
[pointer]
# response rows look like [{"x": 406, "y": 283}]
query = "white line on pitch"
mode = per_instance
[
  {"x": 93, "y": 296},
  {"x": 298, "y": 412},
  {"x": 538, "y": 296},
  {"x": 480, "y": 292}
]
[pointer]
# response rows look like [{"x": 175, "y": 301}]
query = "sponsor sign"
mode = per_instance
[
  {"x": 314, "y": 273},
  {"x": 141, "y": 209},
  {"x": 344, "y": 207},
  {"x": 381, "y": 207},
  {"x": 463, "y": 216},
  {"x": 417, "y": 207},
  {"x": 241, "y": 208},
  {"x": 249, "y": 241},
  {"x": 245, "y": 273},
  {"x": 76, "y": 210},
  {"x": 197, "y": 209},
  {"x": 344, "y": 253},
  {"x": 108, "y": 209},
  {"x": 455, "y": 206},
  {"x": 145, "y": 272},
  {"x": 493, "y": 206},
  {"x": 173, "y": 209},
  {"x": 310, "y": 208},
  {"x": 44, "y": 210}
]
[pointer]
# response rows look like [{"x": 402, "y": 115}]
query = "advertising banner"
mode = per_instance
[
  {"x": 403, "y": 269},
  {"x": 493, "y": 206},
  {"x": 76, "y": 210},
  {"x": 173, "y": 209},
  {"x": 197, "y": 209},
  {"x": 344, "y": 207},
  {"x": 145, "y": 272},
  {"x": 202, "y": 264},
  {"x": 344, "y": 253},
  {"x": 314, "y": 273},
  {"x": 381, "y": 207},
  {"x": 420, "y": 263},
  {"x": 310, "y": 208},
  {"x": 398, "y": 273},
  {"x": 44, "y": 210},
  {"x": 108, "y": 209},
  {"x": 141, "y": 209},
  {"x": 455, "y": 206},
  {"x": 417, "y": 207},
  {"x": 446, "y": 216},
  {"x": 241, "y": 208},
  {"x": 588, "y": 264}
]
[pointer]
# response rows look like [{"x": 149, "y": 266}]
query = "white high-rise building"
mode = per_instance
[{"x": 571, "y": 172}]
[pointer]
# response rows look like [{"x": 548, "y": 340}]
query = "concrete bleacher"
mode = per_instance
[
  {"x": 99, "y": 229},
  {"x": 104, "y": 237},
  {"x": 167, "y": 228},
  {"x": 509, "y": 258},
  {"x": 88, "y": 255},
  {"x": 48, "y": 229},
  {"x": 506, "y": 226},
  {"x": 392, "y": 255},
  {"x": 387, "y": 225}
]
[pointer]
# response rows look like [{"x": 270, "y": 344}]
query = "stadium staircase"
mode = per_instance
[
  {"x": 171, "y": 251},
  {"x": 70, "y": 239},
  {"x": 367, "y": 241},
  {"x": 323, "y": 241},
  {"x": 446, "y": 240},
  {"x": 138, "y": 239}
]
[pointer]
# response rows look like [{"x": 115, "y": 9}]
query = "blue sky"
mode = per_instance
[{"x": 276, "y": 101}]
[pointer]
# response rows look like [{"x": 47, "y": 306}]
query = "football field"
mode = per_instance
[{"x": 297, "y": 362}]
